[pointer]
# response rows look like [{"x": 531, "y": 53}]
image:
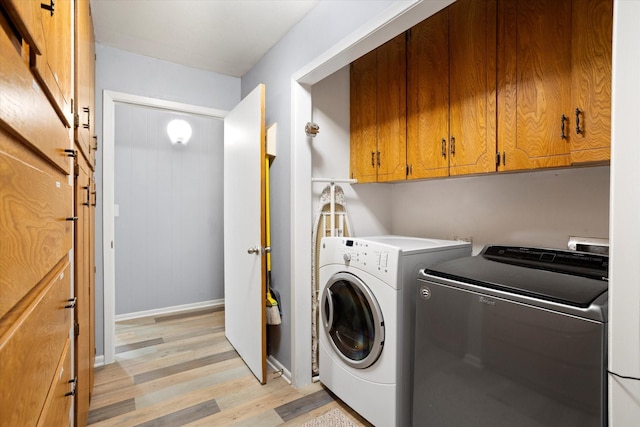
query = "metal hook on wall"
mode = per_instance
[{"x": 311, "y": 129}]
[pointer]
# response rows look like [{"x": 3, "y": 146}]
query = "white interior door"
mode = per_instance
[{"x": 244, "y": 231}]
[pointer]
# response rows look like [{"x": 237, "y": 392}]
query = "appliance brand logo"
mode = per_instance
[
  {"x": 486, "y": 301},
  {"x": 425, "y": 292}
]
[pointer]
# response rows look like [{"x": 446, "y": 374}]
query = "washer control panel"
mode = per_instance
[{"x": 375, "y": 258}]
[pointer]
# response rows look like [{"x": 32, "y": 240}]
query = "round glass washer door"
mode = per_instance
[{"x": 352, "y": 320}]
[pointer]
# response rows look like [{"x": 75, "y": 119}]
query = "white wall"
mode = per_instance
[
  {"x": 624, "y": 275},
  {"x": 122, "y": 71},
  {"x": 169, "y": 230},
  {"x": 541, "y": 208}
]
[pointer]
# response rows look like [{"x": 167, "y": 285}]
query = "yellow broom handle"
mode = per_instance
[{"x": 268, "y": 210}]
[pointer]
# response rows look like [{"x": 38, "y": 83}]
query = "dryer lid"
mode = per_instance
[{"x": 573, "y": 278}]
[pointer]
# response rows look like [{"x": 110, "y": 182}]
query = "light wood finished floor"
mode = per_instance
[{"x": 180, "y": 370}]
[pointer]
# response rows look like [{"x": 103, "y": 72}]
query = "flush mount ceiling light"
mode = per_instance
[{"x": 179, "y": 131}]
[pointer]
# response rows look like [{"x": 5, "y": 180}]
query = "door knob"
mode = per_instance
[{"x": 258, "y": 250}]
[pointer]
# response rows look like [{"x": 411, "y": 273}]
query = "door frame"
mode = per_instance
[
  {"x": 109, "y": 101},
  {"x": 398, "y": 17}
]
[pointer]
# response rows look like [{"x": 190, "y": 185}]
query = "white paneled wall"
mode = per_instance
[{"x": 169, "y": 229}]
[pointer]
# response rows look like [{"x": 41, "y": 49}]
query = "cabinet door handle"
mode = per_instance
[
  {"x": 373, "y": 159},
  {"x": 88, "y": 202},
  {"x": 74, "y": 384},
  {"x": 51, "y": 7},
  {"x": 88, "y": 111},
  {"x": 453, "y": 145},
  {"x": 562, "y": 120},
  {"x": 71, "y": 302},
  {"x": 578, "y": 129},
  {"x": 444, "y": 148}
]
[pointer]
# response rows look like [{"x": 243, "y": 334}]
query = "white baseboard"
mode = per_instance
[
  {"x": 170, "y": 310},
  {"x": 277, "y": 366},
  {"x": 99, "y": 361}
]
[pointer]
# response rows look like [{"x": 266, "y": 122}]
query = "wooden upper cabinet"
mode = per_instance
[
  {"x": 490, "y": 85},
  {"x": 378, "y": 114},
  {"x": 591, "y": 45},
  {"x": 85, "y": 81},
  {"x": 554, "y": 57},
  {"x": 364, "y": 145},
  {"x": 428, "y": 97},
  {"x": 472, "y": 87},
  {"x": 451, "y": 123},
  {"x": 535, "y": 83},
  {"x": 392, "y": 110}
]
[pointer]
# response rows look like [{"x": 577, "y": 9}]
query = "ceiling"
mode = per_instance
[{"x": 224, "y": 36}]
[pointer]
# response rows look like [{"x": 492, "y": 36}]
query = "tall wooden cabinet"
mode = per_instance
[
  {"x": 85, "y": 203},
  {"x": 38, "y": 220},
  {"x": 378, "y": 114}
]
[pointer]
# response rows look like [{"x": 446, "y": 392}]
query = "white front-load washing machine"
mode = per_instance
[{"x": 367, "y": 312}]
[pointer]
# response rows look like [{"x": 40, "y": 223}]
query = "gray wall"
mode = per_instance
[
  {"x": 122, "y": 71},
  {"x": 169, "y": 230},
  {"x": 326, "y": 24}
]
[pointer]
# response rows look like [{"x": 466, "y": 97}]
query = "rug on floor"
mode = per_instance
[{"x": 334, "y": 418}]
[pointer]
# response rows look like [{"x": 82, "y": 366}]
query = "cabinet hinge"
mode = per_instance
[
  {"x": 76, "y": 170},
  {"x": 498, "y": 158},
  {"x": 76, "y": 121},
  {"x": 407, "y": 174},
  {"x": 76, "y": 329}
]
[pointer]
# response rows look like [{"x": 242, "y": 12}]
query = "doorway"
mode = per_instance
[
  {"x": 163, "y": 110},
  {"x": 168, "y": 216}
]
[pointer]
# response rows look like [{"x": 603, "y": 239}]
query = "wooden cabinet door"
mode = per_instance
[
  {"x": 428, "y": 97},
  {"x": 58, "y": 402},
  {"x": 472, "y": 86},
  {"x": 83, "y": 352},
  {"x": 591, "y": 80},
  {"x": 85, "y": 80},
  {"x": 363, "y": 131},
  {"x": 391, "y": 157},
  {"x": 52, "y": 66},
  {"x": 534, "y": 78},
  {"x": 32, "y": 338},
  {"x": 91, "y": 267}
]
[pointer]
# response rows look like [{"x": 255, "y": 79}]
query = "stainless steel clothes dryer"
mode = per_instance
[{"x": 366, "y": 285}]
